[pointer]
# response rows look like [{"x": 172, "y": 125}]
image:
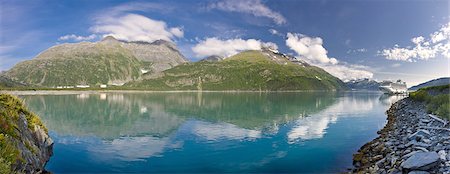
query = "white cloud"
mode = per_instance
[
  {"x": 254, "y": 7},
  {"x": 309, "y": 48},
  {"x": 275, "y": 32},
  {"x": 226, "y": 48},
  {"x": 219, "y": 131},
  {"x": 312, "y": 50},
  {"x": 423, "y": 48},
  {"x": 347, "y": 72},
  {"x": 77, "y": 38},
  {"x": 359, "y": 50},
  {"x": 134, "y": 27},
  {"x": 178, "y": 32},
  {"x": 396, "y": 65}
]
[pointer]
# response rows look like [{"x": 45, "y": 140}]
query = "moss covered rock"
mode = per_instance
[{"x": 25, "y": 146}]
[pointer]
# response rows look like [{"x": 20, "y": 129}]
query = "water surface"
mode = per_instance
[{"x": 208, "y": 132}]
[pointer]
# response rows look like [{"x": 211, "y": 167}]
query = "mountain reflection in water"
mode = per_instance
[{"x": 170, "y": 130}]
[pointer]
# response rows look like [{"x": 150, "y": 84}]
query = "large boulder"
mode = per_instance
[{"x": 421, "y": 161}]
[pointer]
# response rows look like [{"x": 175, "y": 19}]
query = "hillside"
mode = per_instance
[
  {"x": 249, "y": 70},
  {"x": 434, "y": 82},
  {"x": 363, "y": 84},
  {"x": 5, "y": 82},
  {"x": 25, "y": 146},
  {"x": 108, "y": 61},
  {"x": 436, "y": 98}
]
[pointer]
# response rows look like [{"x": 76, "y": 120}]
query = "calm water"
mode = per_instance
[{"x": 208, "y": 132}]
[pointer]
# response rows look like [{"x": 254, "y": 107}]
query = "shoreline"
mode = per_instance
[
  {"x": 412, "y": 141},
  {"x": 72, "y": 92}
]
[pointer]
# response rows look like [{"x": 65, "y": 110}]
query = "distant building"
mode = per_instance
[
  {"x": 82, "y": 86},
  {"x": 103, "y": 86},
  {"x": 117, "y": 84}
]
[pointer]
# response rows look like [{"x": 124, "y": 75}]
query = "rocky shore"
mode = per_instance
[{"x": 411, "y": 142}]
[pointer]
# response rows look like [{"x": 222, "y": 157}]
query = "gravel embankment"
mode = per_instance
[{"x": 411, "y": 142}]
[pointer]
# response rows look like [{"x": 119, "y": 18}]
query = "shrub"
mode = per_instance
[{"x": 437, "y": 99}]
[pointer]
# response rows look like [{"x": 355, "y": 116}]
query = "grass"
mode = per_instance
[
  {"x": 437, "y": 99},
  {"x": 8, "y": 154},
  {"x": 104, "y": 66}
]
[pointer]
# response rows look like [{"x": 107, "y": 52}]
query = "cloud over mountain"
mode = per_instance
[
  {"x": 77, "y": 38},
  {"x": 253, "y": 7},
  {"x": 309, "y": 48},
  {"x": 226, "y": 48},
  {"x": 436, "y": 45},
  {"x": 312, "y": 50},
  {"x": 134, "y": 27}
]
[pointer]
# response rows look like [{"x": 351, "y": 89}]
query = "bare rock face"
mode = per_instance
[{"x": 161, "y": 54}]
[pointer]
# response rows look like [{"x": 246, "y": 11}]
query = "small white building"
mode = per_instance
[
  {"x": 103, "y": 86},
  {"x": 82, "y": 86}
]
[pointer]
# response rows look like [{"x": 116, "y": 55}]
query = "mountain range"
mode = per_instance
[
  {"x": 363, "y": 84},
  {"x": 248, "y": 70},
  {"x": 160, "y": 66}
]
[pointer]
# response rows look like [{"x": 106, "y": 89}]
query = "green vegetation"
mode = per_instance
[
  {"x": 72, "y": 70},
  {"x": 249, "y": 70},
  {"x": 8, "y": 83},
  {"x": 437, "y": 99},
  {"x": 10, "y": 110}
]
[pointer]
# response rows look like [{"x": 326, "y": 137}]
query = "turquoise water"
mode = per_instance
[{"x": 208, "y": 132}]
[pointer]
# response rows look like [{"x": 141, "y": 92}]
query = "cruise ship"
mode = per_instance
[{"x": 398, "y": 87}]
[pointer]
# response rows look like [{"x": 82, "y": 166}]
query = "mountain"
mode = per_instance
[
  {"x": 248, "y": 70},
  {"x": 363, "y": 84},
  {"x": 213, "y": 59},
  {"x": 108, "y": 61},
  {"x": 434, "y": 82},
  {"x": 6, "y": 82}
]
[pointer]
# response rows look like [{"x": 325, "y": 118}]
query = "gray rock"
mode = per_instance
[
  {"x": 420, "y": 133},
  {"x": 425, "y": 121},
  {"x": 442, "y": 155},
  {"x": 418, "y": 172},
  {"x": 422, "y": 149},
  {"x": 415, "y": 143},
  {"x": 421, "y": 161}
]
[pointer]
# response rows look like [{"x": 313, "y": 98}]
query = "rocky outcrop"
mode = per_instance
[
  {"x": 160, "y": 54},
  {"x": 25, "y": 146},
  {"x": 411, "y": 142}
]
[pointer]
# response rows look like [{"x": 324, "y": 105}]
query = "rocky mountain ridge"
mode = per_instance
[{"x": 363, "y": 84}]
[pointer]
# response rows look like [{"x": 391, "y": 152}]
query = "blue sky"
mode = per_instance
[{"x": 350, "y": 39}]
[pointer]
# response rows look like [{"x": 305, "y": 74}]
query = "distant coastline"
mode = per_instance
[{"x": 92, "y": 91}]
